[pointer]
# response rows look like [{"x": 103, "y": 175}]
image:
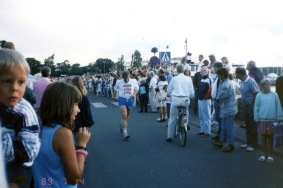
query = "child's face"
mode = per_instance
[
  {"x": 12, "y": 86},
  {"x": 75, "y": 111}
]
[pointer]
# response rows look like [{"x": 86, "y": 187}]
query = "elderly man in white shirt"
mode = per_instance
[{"x": 181, "y": 90}]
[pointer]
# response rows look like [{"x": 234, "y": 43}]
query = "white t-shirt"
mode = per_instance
[{"x": 125, "y": 90}]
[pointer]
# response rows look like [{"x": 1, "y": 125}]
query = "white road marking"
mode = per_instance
[
  {"x": 115, "y": 103},
  {"x": 98, "y": 105}
]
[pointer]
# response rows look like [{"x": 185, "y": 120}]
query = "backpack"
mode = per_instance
[{"x": 208, "y": 94}]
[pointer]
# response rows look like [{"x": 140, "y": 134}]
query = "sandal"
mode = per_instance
[{"x": 262, "y": 158}]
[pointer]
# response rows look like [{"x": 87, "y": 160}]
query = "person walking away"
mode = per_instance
[
  {"x": 267, "y": 111},
  {"x": 126, "y": 90}
]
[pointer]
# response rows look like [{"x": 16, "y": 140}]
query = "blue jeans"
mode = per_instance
[
  {"x": 217, "y": 118},
  {"x": 227, "y": 130},
  {"x": 205, "y": 116}
]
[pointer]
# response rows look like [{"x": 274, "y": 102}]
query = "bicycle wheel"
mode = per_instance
[{"x": 183, "y": 136}]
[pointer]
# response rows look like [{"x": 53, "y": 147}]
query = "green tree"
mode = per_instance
[
  {"x": 136, "y": 59},
  {"x": 33, "y": 64},
  {"x": 120, "y": 63},
  {"x": 104, "y": 65},
  {"x": 76, "y": 69},
  {"x": 2, "y": 42},
  {"x": 64, "y": 67}
]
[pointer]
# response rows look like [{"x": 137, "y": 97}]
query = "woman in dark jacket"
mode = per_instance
[{"x": 84, "y": 117}]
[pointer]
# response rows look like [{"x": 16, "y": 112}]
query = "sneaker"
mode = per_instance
[
  {"x": 126, "y": 136},
  {"x": 262, "y": 158},
  {"x": 270, "y": 159},
  {"x": 250, "y": 148},
  {"x": 244, "y": 146},
  {"x": 158, "y": 119}
]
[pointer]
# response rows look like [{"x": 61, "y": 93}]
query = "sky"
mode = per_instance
[{"x": 83, "y": 31}]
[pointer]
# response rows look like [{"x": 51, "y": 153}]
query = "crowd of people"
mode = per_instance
[{"x": 44, "y": 122}]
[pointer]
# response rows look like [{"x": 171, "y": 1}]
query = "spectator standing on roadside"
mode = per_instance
[
  {"x": 279, "y": 87},
  {"x": 152, "y": 86},
  {"x": 19, "y": 126},
  {"x": 204, "y": 103},
  {"x": 226, "y": 98},
  {"x": 39, "y": 86},
  {"x": 249, "y": 90},
  {"x": 84, "y": 117},
  {"x": 215, "y": 105},
  {"x": 61, "y": 159},
  {"x": 267, "y": 111},
  {"x": 226, "y": 63},
  {"x": 254, "y": 72}
]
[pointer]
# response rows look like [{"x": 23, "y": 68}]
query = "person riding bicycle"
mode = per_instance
[{"x": 181, "y": 90}]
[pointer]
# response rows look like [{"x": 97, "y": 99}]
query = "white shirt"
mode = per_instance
[
  {"x": 152, "y": 83},
  {"x": 181, "y": 86},
  {"x": 126, "y": 89}
]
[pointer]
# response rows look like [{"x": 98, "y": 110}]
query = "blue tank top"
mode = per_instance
[{"x": 47, "y": 167}]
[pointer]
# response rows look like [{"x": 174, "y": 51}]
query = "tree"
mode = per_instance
[
  {"x": 104, "y": 65},
  {"x": 136, "y": 59},
  {"x": 154, "y": 50},
  {"x": 64, "y": 67},
  {"x": 120, "y": 63},
  {"x": 2, "y": 43},
  {"x": 33, "y": 64},
  {"x": 76, "y": 69}
]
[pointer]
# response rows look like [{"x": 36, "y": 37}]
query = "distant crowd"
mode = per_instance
[{"x": 44, "y": 121}]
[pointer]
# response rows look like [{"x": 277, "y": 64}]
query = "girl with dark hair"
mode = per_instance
[{"x": 60, "y": 163}]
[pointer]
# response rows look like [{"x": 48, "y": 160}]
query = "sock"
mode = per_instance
[{"x": 125, "y": 131}]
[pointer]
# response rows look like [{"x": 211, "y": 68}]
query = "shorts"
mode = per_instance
[{"x": 129, "y": 103}]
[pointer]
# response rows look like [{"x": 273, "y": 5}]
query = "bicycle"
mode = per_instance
[{"x": 181, "y": 126}]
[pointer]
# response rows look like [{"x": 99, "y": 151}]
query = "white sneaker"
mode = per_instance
[
  {"x": 158, "y": 119},
  {"x": 262, "y": 158},
  {"x": 250, "y": 148},
  {"x": 270, "y": 159},
  {"x": 244, "y": 146},
  {"x": 126, "y": 136}
]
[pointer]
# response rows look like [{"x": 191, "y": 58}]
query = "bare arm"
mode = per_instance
[{"x": 72, "y": 162}]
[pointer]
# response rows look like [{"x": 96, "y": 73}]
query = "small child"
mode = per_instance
[
  {"x": 59, "y": 160},
  {"x": 19, "y": 124},
  {"x": 162, "y": 101},
  {"x": 143, "y": 96}
]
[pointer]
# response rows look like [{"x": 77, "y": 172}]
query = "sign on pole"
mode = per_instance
[
  {"x": 165, "y": 57},
  {"x": 154, "y": 60}
]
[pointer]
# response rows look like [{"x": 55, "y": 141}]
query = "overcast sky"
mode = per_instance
[{"x": 83, "y": 31}]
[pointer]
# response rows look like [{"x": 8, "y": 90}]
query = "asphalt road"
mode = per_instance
[{"x": 147, "y": 160}]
